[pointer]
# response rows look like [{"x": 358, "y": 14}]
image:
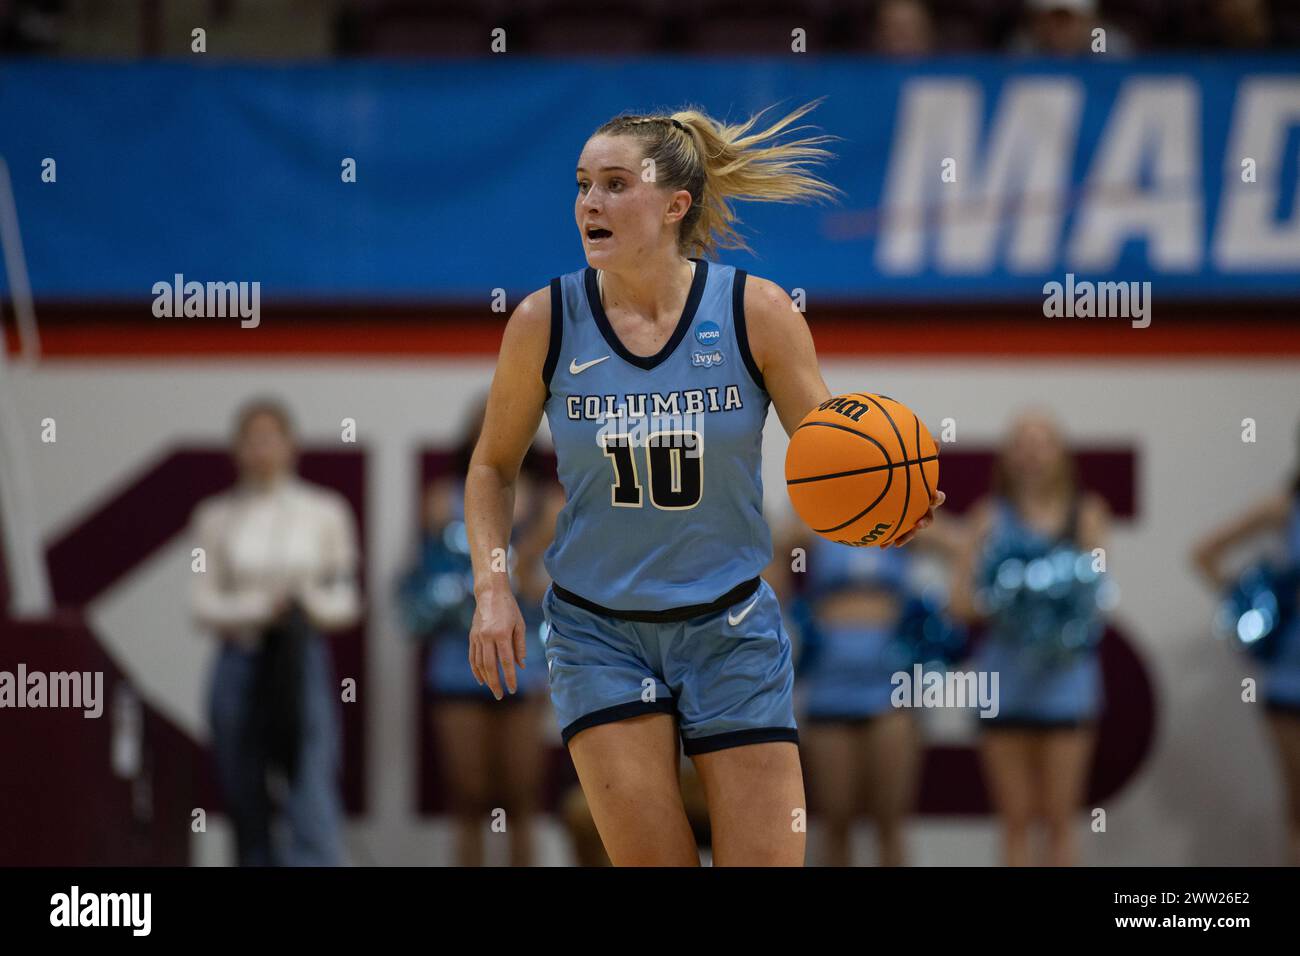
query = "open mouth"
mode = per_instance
[{"x": 594, "y": 233}]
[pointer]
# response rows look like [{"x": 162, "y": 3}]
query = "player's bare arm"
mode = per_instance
[
  {"x": 514, "y": 410},
  {"x": 783, "y": 349},
  {"x": 782, "y": 346}
]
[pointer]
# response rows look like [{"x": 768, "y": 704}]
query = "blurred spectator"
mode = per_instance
[
  {"x": 903, "y": 28},
  {"x": 239, "y": 29},
  {"x": 1064, "y": 28},
  {"x": 1240, "y": 24},
  {"x": 321, "y": 29},
  {"x": 252, "y": 29},
  {"x": 29, "y": 26},
  {"x": 281, "y": 565}
]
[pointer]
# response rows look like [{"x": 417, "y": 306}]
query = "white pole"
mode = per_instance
[{"x": 24, "y": 555}]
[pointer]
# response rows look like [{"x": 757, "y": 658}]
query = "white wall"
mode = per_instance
[{"x": 1209, "y": 794}]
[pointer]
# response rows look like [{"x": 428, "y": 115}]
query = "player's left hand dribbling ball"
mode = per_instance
[{"x": 861, "y": 468}]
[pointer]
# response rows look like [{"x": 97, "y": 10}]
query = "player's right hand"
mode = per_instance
[{"x": 496, "y": 637}]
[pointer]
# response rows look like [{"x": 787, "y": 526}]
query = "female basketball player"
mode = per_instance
[
  {"x": 1277, "y": 514},
  {"x": 655, "y": 371},
  {"x": 1037, "y": 749}
]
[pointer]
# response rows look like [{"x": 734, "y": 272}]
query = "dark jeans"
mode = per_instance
[{"x": 312, "y": 808}]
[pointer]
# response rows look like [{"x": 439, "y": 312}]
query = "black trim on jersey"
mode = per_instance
[
  {"x": 679, "y": 333},
  {"x": 742, "y": 333},
  {"x": 557, "y": 333},
  {"x": 608, "y": 715},
  {"x": 694, "y": 746},
  {"x": 685, "y": 613}
]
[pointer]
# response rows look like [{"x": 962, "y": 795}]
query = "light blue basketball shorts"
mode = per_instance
[{"x": 726, "y": 674}]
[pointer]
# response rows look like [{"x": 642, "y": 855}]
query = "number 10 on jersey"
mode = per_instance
[{"x": 674, "y": 464}]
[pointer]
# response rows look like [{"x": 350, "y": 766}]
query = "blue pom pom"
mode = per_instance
[
  {"x": 1259, "y": 607},
  {"x": 1049, "y": 600}
]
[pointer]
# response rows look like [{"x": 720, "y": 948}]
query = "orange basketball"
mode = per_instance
[{"x": 860, "y": 469}]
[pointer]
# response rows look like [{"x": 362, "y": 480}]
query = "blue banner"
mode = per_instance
[{"x": 964, "y": 179}]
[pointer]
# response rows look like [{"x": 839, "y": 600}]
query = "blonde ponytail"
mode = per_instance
[{"x": 718, "y": 163}]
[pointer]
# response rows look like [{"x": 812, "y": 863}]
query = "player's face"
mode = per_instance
[
  {"x": 263, "y": 451},
  {"x": 620, "y": 216}
]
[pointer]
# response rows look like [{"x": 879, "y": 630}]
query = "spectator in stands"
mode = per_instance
[
  {"x": 1240, "y": 24},
  {"x": 28, "y": 26},
  {"x": 903, "y": 28},
  {"x": 1065, "y": 28},
  {"x": 233, "y": 29}
]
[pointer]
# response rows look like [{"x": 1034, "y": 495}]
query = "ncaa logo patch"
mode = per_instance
[{"x": 708, "y": 334}]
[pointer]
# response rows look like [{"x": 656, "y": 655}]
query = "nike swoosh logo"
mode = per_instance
[
  {"x": 734, "y": 619},
  {"x": 575, "y": 368}
]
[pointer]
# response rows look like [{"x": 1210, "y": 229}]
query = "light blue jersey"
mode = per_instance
[
  {"x": 659, "y": 455},
  {"x": 656, "y": 605}
]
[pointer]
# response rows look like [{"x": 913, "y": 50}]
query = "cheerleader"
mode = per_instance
[
  {"x": 861, "y": 751},
  {"x": 488, "y": 754},
  {"x": 1041, "y": 635},
  {"x": 1277, "y": 516}
]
